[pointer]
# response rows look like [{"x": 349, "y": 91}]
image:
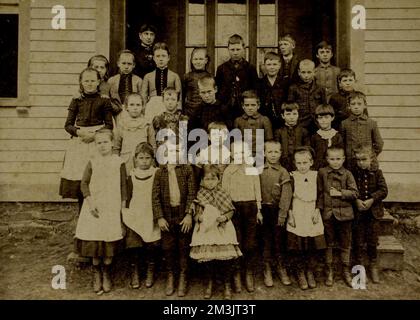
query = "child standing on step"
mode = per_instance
[
  {"x": 143, "y": 233},
  {"x": 99, "y": 231},
  {"x": 372, "y": 190},
  {"x": 214, "y": 240}
]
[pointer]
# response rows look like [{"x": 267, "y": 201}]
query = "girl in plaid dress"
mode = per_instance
[{"x": 214, "y": 239}]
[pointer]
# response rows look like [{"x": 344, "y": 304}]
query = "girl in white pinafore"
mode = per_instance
[
  {"x": 214, "y": 239},
  {"x": 143, "y": 233},
  {"x": 99, "y": 228},
  {"x": 304, "y": 226}
]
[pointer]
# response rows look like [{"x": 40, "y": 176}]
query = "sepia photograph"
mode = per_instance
[{"x": 209, "y": 150}]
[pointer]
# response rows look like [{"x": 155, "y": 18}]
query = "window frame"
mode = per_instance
[{"x": 22, "y": 9}]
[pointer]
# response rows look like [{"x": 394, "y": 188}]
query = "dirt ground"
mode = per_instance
[{"x": 28, "y": 254}]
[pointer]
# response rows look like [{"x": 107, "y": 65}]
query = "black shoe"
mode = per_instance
[
  {"x": 106, "y": 283},
  {"x": 227, "y": 294},
  {"x": 268, "y": 277},
  {"x": 97, "y": 279},
  {"x": 374, "y": 273},
  {"x": 237, "y": 282},
  {"x": 182, "y": 284},
  {"x": 150, "y": 275},
  {"x": 311, "y": 279},
  {"x": 329, "y": 281},
  {"x": 209, "y": 289},
  {"x": 169, "y": 284},
  {"x": 303, "y": 284},
  {"x": 135, "y": 282},
  {"x": 249, "y": 281},
  {"x": 347, "y": 277}
]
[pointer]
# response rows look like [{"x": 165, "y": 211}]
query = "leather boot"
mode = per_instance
[
  {"x": 97, "y": 279},
  {"x": 374, "y": 273},
  {"x": 209, "y": 289},
  {"x": 150, "y": 275},
  {"x": 135, "y": 282},
  {"x": 311, "y": 279},
  {"x": 169, "y": 284},
  {"x": 303, "y": 284},
  {"x": 107, "y": 284},
  {"x": 282, "y": 274},
  {"x": 182, "y": 284},
  {"x": 347, "y": 276},
  {"x": 249, "y": 281},
  {"x": 237, "y": 281},
  {"x": 268, "y": 277},
  {"x": 227, "y": 294},
  {"x": 329, "y": 281}
]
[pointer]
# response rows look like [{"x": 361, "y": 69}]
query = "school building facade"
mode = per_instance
[{"x": 40, "y": 71}]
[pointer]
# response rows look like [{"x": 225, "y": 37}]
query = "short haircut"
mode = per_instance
[
  {"x": 324, "y": 109},
  {"x": 306, "y": 62},
  {"x": 288, "y": 38},
  {"x": 250, "y": 94},
  {"x": 125, "y": 51},
  {"x": 147, "y": 27},
  {"x": 346, "y": 73},
  {"x": 144, "y": 147},
  {"x": 211, "y": 170},
  {"x": 128, "y": 96},
  {"x": 161, "y": 46},
  {"x": 289, "y": 106},
  {"x": 207, "y": 80},
  {"x": 305, "y": 150},
  {"x": 323, "y": 45},
  {"x": 271, "y": 55},
  {"x": 335, "y": 149},
  {"x": 273, "y": 142},
  {"x": 236, "y": 39},
  {"x": 106, "y": 132},
  {"x": 170, "y": 90},
  {"x": 216, "y": 125},
  {"x": 356, "y": 95},
  {"x": 102, "y": 58},
  {"x": 364, "y": 149}
]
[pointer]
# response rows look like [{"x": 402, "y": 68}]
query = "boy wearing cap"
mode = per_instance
[{"x": 144, "y": 52}]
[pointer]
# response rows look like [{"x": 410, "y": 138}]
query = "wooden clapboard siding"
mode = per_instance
[
  {"x": 32, "y": 144},
  {"x": 392, "y": 83}
]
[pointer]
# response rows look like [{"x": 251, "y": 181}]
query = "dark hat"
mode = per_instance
[{"x": 147, "y": 27}]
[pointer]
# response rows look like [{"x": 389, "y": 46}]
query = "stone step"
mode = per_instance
[
  {"x": 387, "y": 223},
  {"x": 390, "y": 253}
]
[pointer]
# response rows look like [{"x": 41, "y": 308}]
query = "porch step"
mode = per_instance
[
  {"x": 386, "y": 224},
  {"x": 390, "y": 253}
]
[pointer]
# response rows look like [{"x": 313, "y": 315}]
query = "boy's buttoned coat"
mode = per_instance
[
  {"x": 161, "y": 197},
  {"x": 372, "y": 185},
  {"x": 114, "y": 83},
  {"x": 341, "y": 207}
]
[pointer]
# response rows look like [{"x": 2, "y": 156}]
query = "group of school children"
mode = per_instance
[{"x": 320, "y": 187}]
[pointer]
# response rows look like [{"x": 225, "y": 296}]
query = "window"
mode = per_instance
[
  {"x": 14, "y": 62},
  {"x": 9, "y": 26},
  {"x": 196, "y": 27}
]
